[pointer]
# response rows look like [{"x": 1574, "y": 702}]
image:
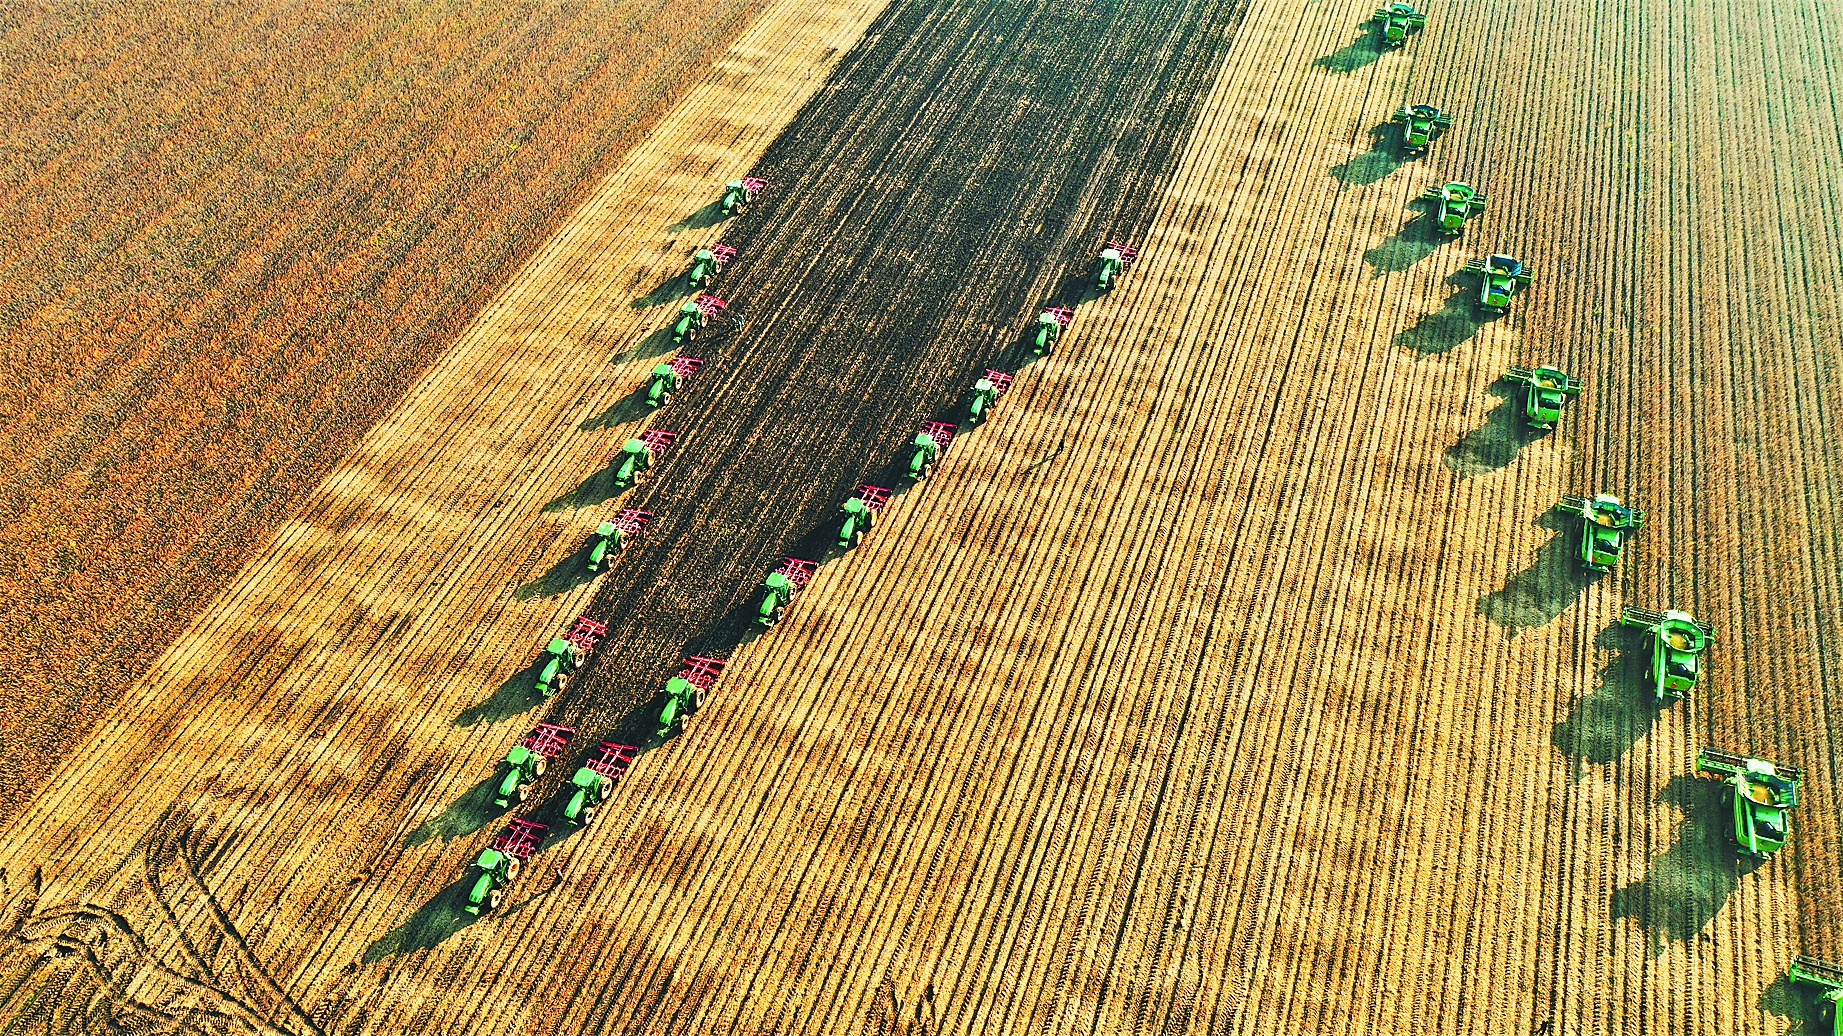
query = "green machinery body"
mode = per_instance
[
  {"x": 1763, "y": 795},
  {"x": 1605, "y": 525},
  {"x": 1397, "y": 21},
  {"x": 1545, "y": 390},
  {"x": 690, "y": 321},
  {"x": 662, "y": 385},
  {"x": 682, "y": 698},
  {"x": 559, "y": 662},
  {"x": 606, "y": 538},
  {"x": 1457, "y": 203},
  {"x": 1677, "y": 643},
  {"x": 1420, "y": 124},
  {"x": 1828, "y": 978},
  {"x": 1500, "y": 278},
  {"x": 632, "y": 462},
  {"x": 496, "y": 872},
  {"x": 594, "y": 781},
  {"x": 855, "y": 519},
  {"x": 522, "y": 767}
]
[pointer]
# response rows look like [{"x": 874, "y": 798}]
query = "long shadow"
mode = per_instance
[
  {"x": 598, "y": 488},
  {"x": 706, "y": 217},
  {"x": 1804, "y": 1009},
  {"x": 1547, "y": 587},
  {"x": 1383, "y": 157},
  {"x": 1605, "y": 724},
  {"x": 669, "y": 290},
  {"x": 519, "y": 694},
  {"x": 431, "y": 924},
  {"x": 1448, "y": 327},
  {"x": 656, "y": 344},
  {"x": 1363, "y": 50},
  {"x": 567, "y": 574},
  {"x": 1493, "y": 444},
  {"x": 468, "y": 813},
  {"x": 629, "y": 408},
  {"x": 1416, "y": 240},
  {"x": 1686, "y": 885}
]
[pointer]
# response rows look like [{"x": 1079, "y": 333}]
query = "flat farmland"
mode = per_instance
[{"x": 1234, "y": 677}]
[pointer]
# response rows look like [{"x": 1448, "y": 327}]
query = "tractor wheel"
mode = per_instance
[
  {"x": 541, "y": 765},
  {"x": 775, "y": 615},
  {"x": 665, "y": 400},
  {"x": 691, "y": 333},
  {"x": 492, "y": 900},
  {"x": 557, "y": 682},
  {"x": 588, "y": 814},
  {"x": 512, "y": 868},
  {"x": 605, "y": 789},
  {"x": 524, "y": 791},
  {"x": 857, "y": 536},
  {"x": 741, "y": 207},
  {"x": 697, "y": 699}
]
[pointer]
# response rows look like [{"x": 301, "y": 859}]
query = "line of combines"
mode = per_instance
[{"x": 500, "y": 864}]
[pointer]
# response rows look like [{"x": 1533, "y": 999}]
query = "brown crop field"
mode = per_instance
[{"x": 1235, "y": 677}]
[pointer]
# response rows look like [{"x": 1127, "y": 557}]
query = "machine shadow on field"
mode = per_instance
[
  {"x": 1448, "y": 327},
  {"x": 1547, "y": 587},
  {"x": 567, "y": 574},
  {"x": 1359, "y": 52},
  {"x": 518, "y": 695},
  {"x": 669, "y": 290},
  {"x": 431, "y": 924},
  {"x": 1372, "y": 166},
  {"x": 1495, "y": 443},
  {"x": 656, "y": 344},
  {"x": 1784, "y": 999},
  {"x": 1606, "y": 723},
  {"x": 468, "y": 813},
  {"x": 629, "y": 408},
  {"x": 598, "y": 488},
  {"x": 1686, "y": 885},
  {"x": 1417, "y": 239},
  {"x": 703, "y": 219}
]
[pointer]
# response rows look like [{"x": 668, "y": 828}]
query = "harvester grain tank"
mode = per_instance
[
  {"x": 501, "y": 864},
  {"x": 613, "y": 535},
  {"x": 1420, "y": 124},
  {"x": 668, "y": 378},
  {"x": 1545, "y": 390},
  {"x": 1828, "y": 978},
  {"x": 927, "y": 448},
  {"x": 637, "y": 456},
  {"x": 1051, "y": 323},
  {"x": 1115, "y": 258},
  {"x": 1763, "y": 794},
  {"x": 1677, "y": 643},
  {"x": 858, "y": 515},
  {"x": 1396, "y": 21},
  {"x": 684, "y": 692},
  {"x": 1500, "y": 277},
  {"x": 528, "y": 759},
  {"x": 1458, "y": 202},
  {"x": 1605, "y": 526},
  {"x": 568, "y": 653},
  {"x": 738, "y": 195},
  {"x": 986, "y": 391},
  {"x": 595, "y": 780},
  {"x": 706, "y": 264},
  {"x": 780, "y": 588}
]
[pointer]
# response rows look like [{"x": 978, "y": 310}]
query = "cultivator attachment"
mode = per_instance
[
  {"x": 1605, "y": 525},
  {"x": 694, "y": 316},
  {"x": 1421, "y": 123},
  {"x": 858, "y": 515},
  {"x": 1115, "y": 258},
  {"x": 1676, "y": 642},
  {"x": 986, "y": 392},
  {"x": 500, "y": 864},
  {"x": 594, "y": 780},
  {"x": 1545, "y": 389},
  {"x": 528, "y": 759},
  {"x": 1764, "y": 794},
  {"x": 567, "y": 654},
  {"x": 1828, "y": 978},
  {"x": 684, "y": 692},
  {"x": 668, "y": 378},
  {"x": 707, "y": 263},
  {"x": 1051, "y": 323},
  {"x": 1499, "y": 278},
  {"x": 928, "y": 446},
  {"x": 1458, "y": 202},
  {"x": 1397, "y": 21},
  {"x": 613, "y": 535},
  {"x": 779, "y": 589},
  {"x": 637, "y": 456},
  {"x": 738, "y": 195}
]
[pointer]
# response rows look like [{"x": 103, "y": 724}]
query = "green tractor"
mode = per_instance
[
  {"x": 1605, "y": 525},
  {"x": 1763, "y": 793},
  {"x": 1458, "y": 203},
  {"x": 612, "y": 536},
  {"x": 1420, "y": 124},
  {"x": 738, "y": 195},
  {"x": 1051, "y": 323},
  {"x": 927, "y": 448},
  {"x": 706, "y": 264},
  {"x": 694, "y": 316},
  {"x": 568, "y": 653},
  {"x": 1397, "y": 21},
  {"x": 668, "y": 378},
  {"x": 1677, "y": 641},
  {"x": 1499, "y": 278},
  {"x": 985, "y": 393},
  {"x": 1115, "y": 258},
  {"x": 1545, "y": 389},
  {"x": 500, "y": 865},
  {"x": 780, "y": 588},
  {"x": 594, "y": 780},
  {"x": 637, "y": 456},
  {"x": 684, "y": 692},
  {"x": 858, "y": 515},
  {"x": 528, "y": 759},
  {"x": 1828, "y": 978}
]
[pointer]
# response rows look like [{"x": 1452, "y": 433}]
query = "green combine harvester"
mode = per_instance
[
  {"x": 738, "y": 195},
  {"x": 1051, "y": 323},
  {"x": 1458, "y": 202},
  {"x": 568, "y": 653},
  {"x": 1828, "y": 978},
  {"x": 706, "y": 264},
  {"x": 1763, "y": 794},
  {"x": 528, "y": 759},
  {"x": 501, "y": 864},
  {"x": 1677, "y": 642},
  {"x": 858, "y": 515},
  {"x": 780, "y": 588},
  {"x": 684, "y": 692},
  {"x": 1605, "y": 525},
  {"x": 1545, "y": 389},
  {"x": 1499, "y": 278},
  {"x": 594, "y": 780},
  {"x": 927, "y": 448},
  {"x": 986, "y": 392},
  {"x": 1397, "y": 20},
  {"x": 1420, "y": 124},
  {"x": 637, "y": 456},
  {"x": 668, "y": 378},
  {"x": 694, "y": 316},
  {"x": 613, "y": 535},
  {"x": 1115, "y": 258}
]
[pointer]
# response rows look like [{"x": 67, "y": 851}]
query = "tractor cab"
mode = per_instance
[
  {"x": 633, "y": 459},
  {"x": 485, "y": 893},
  {"x": 690, "y": 322},
  {"x": 662, "y": 384},
  {"x": 923, "y": 454},
  {"x": 1050, "y": 324},
  {"x": 522, "y": 766},
  {"x": 858, "y": 515}
]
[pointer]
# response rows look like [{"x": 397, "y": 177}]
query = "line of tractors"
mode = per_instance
[
  {"x": 567, "y": 654},
  {"x": 1762, "y": 793}
]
